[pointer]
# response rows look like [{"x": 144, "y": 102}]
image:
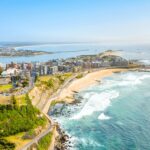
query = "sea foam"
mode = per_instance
[
  {"x": 124, "y": 80},
  {"x": 102, "y": 116},
  {"x": 97, "y": 102},
  {"x": 133, "y": 79}
]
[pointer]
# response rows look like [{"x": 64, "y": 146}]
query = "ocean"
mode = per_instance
[{"x": 113, "y": 115}]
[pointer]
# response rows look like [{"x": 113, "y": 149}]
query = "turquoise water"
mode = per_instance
[{"x": 114, "y": 115}]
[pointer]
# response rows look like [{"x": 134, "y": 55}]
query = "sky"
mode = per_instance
[{"x": 75, "y": 20}]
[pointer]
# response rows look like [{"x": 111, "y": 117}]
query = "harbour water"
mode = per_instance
[
  {"x": 113, "y": 115},
  {"x": 140, "y": 52}
]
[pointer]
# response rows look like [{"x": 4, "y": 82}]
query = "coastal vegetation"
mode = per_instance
[
  {"x": 44, "y": 143},
  {"x": 5, "y": 88},
  {"x": 59, "y": 76},
  {"x": 1, "y": 70},
  {"x": 52, "y": 81},
  {"x": 46, "y": 86},
  {"x": 15, "y": 119},
  {"x": 5, "y": 145},
  {"x": 79, "y": 76},
  {"x": 20, "y": 99},
  {"x": 17, "y": 140}
]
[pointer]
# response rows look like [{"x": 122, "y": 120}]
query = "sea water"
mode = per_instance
[{"x": 113, "y": 115}]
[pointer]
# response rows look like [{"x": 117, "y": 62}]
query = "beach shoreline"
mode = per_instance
[{"x": 90, "y": 79}]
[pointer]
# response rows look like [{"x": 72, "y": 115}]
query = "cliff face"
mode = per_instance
[
  {"x": 45, "y": 87},
  {"x": 39, "y": 97}
]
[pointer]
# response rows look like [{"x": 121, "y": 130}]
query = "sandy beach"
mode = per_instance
[{"x": 84, "y": 82}]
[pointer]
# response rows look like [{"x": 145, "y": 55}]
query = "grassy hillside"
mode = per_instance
[
  {"x": 52, "y": 81},
  {"x": 15, "y": 119},
  {"x": 44, "y": 142}
]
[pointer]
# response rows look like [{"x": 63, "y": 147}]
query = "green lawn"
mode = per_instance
[
  {"x": 21, "y": 100},
  {"x": 4, "y": 88}
]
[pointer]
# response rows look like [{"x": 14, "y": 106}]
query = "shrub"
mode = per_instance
[
  {"x": 44, "y": 143},
  {"x": 5, "y": 145}
]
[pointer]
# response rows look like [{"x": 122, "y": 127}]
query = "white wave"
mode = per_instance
[
  {"x": 144, "y": 77},
  {"x": 125, "y": 80},
  {"x": 102, "y": 116},
  {"x": 87, "y": 95},
  {"x": 129, "y": 79},
  {"x": 100, "y": 102},
  {"x": 133, "y": 79},
  {"x": 97, "y": 102},
  {"x": 145, "y": 61}
]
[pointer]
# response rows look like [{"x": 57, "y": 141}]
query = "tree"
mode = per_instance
[
  {"x": 28, "y": 101},
  {"x": 13, "y": 101},
  {"x": 25, "y": 83},
  {"x": 4, "y": 144},
  {"x": 1, "y": 70},
  {"x": 50, "y": 83},
  {"x": 36, "y": 78}
]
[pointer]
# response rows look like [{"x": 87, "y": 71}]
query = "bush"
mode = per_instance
[
  {"x": 79, "y": 76},
  {"x": 19, "y": 119},
  {"x": 5, "y": 145},
  {"x": 44, "y": 142}
]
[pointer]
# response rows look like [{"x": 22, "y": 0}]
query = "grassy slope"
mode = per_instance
[
  {"x": 46, "y": 86},
  {"x": 18, "y": 140},
  {"x": 15, "y": 122},
  {"x": 44, "y": 142}
]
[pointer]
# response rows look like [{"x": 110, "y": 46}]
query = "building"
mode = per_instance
[
  {"x": 53, "y": 70},
  {"x": 96, "y": 64}
]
